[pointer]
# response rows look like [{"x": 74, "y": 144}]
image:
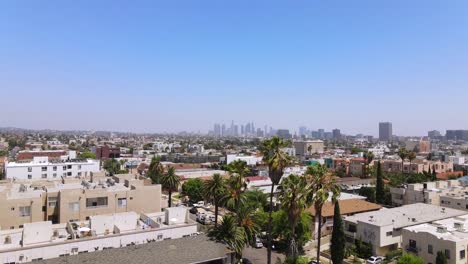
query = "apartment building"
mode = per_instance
[
  {"x": 41, "y": 168},
  {"x": 383, "y": 229},
  {"x": 449, "y": 236},
  {"x": 308, "y": 147},
  {"x": 75, "y": 199},
  {"x": 416, "y": 166},
  {"x": 356, "y": 166},
  {"x": 45, "y": 240},
  {"x": 450, "y": 193},
  {"x": 52, "y": 154},
  {"x": 106, "y": 152}
]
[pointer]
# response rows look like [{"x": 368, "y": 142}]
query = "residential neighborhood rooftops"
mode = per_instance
[
  {"x": 407, "y": 215},
  {"x": 202, "y": 250}
]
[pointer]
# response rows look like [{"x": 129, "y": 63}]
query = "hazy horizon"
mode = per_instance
[{"x": 150, "y": 66}]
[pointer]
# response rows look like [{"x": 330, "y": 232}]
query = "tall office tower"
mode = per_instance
[
  {"x": 385, "y": 131},
  {"x": 247, "y": 129},
  {"x": 434, "y": 134},
  {"x": 265, "y": 131},
  {"x": 302, "y": 131},
  {"x": 242, "y": 130},
  {"x": 336, "y": 133},
  {"x": 321, "y": 133},
  {"x": 284, "y": 133},
  {"x": 217, "y": 130},
  {"x": 235, "y": 131},
  {"x": 252, "y": 127},
  {"x": 457, "y": 135},
  {"x": 223, "y": 130}
]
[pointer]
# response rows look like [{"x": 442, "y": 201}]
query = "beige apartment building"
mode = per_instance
[
  {"x": 61, "y": 201},
  {"x": 416, "y": 166},
  {"x": 449, "y": 236},
  {"x": 308, "y": 147}
]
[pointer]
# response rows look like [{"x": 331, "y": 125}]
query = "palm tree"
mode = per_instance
[
  {"x": 411, "y": 157},
  {"x": 403, "y": 153},
  {"x": 294, "y": 197},
  {"x": 322, "y": 184},
  {"x": 170, "y": 181},
  {"x": 368, "y": 157},
  {"x": 155, "y": 170},
  {"x": 229, "y": 233},
  {"x": 277, "y": 160},
  {"x": 215, "y": 189}
]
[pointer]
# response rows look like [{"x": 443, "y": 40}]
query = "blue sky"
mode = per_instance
[{"x": 150, "y": 66}]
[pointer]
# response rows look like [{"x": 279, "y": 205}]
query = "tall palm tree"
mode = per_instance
[
  {"x": 215, "y": 189},
  {"x": 277, "y": 160},
  {"x": 229, "y": 233},
  {"x": 322, "y": 183},
  {"x": 294, "y": 197},
  {"x": 403, "y": 153},
  {"x": 170, "y": 181},
  {"x": 411, "y": 157}
]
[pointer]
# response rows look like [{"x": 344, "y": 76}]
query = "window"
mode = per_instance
[
  {"x": 44, "y": 168},
  {"x": 29, "y": 176},
  {"x": 69, "y": 173},
  {"x": 412, "y": 243},
  {"x": 79, "y": 174},
  {"x": 7, "y": 240},
  {"x": 24, "y": 211},
  {"x": 29, "y": 169},
  {"x": 96, "y": 202},
  {"x": 69, "y": 167},
  {"x": 462, "y": 254},
  {"x": 44, "y": 176},
  {"x": 64, "y": 174},
  {"x": 122, "y": 202},
  {"x": 74, "y": 207},
  {"x": 55, "y": 168},
  {"x": 447, "y": 254},
  {"x": 389, "y": 233},
  {"x": 64, "y": 168},
  {"x": 79, "y": 167},
  {"x": 52, "y": 201},
  {"x": 54, "y": 175},
  {"x": 429, "y": 249}
]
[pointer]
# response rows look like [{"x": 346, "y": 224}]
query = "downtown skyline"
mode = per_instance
[{"x": 169, "y": 67}]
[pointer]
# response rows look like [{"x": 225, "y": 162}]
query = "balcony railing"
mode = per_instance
[{"x": 413, "y": 250}]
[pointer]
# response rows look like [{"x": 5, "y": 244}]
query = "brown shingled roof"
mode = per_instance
[{"x": 347, "y": 207}]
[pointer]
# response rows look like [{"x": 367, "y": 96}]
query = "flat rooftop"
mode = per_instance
[
  {"x": 451, "y": 232},
  {"x": 196, "y": 249},
  {"x": 407, "y": 215}
]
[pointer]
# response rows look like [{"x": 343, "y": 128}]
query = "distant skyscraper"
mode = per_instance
[
  {"x": 457, "y": 135},
  {"x": 302, "y": 131},
  {"x": 385, "y": 131},
  {"x": 283, "y": 133},
  {"x": 336, "y": 133},
  {"x": 321, "y": 133},
  {"x": 217, "y": 130},
  {"x": 434, "y": 134},
  {"x": 223, "y": 130}
]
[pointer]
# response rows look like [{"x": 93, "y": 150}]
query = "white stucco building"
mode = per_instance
[{"x": 43, "y": 168}]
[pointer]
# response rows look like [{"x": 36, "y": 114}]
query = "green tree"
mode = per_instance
[
  {"x": 441, "y": 258},
  {"x": 379, "y": 187},
  {"x": 155, "y": 170},
  {"x": 112, "y": 166},
  {"x": 322, "y": 184},
  {"x": 214, "y": 190},
  {"x": 368, "y": 192},
  {"x": 411, "y": 157},
  {"x": 295, "y": 198},
  {"x": 256, "y": 199},
  {"x": 410, "y": 259},
  {"x": 228, "y": 232},
  {"x": 170, "y": 181},
  {"x": 276, "y": 160},
  {"x": 337, "y": 247},
  {"x": 87, "y": 155},
  {"x": 3, "y": 153},
  {"x": 403, "y": 153},
  {"x": 193, "y": 189},
  {"x": 368, "y": 157}
]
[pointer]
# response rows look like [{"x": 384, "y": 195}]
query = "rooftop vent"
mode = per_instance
[
  {"x": 459, "y": 226},
  {"x": 413, "y": 219},
  {"x": 441, "y": 229}
]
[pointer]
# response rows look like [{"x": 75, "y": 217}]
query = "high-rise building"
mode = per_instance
[
  {"x": 283, "y": 133},
  {"x": 321, "y": 133},
  {"x": 385, "y": 131},
  {"x": 434, "y": 134},
  {"x": 217, "y": 130},
  {"x": 457, "y": 135},
  {"x": 336, "y": 133},
  {"x": 223, "y": 130},
  {"x": 302, "y": 131}
]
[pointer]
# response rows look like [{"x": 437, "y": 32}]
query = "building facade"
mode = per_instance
[{"x": 385, "y": 131}]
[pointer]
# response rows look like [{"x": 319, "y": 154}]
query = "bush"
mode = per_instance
[{"x": 392, "y": 254}]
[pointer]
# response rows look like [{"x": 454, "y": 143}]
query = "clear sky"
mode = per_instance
[{"x": 150, "y": 66}]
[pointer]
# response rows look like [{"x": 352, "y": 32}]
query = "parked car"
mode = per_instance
[
  {"x": 193, "y": 210},
  {"x": 246, "y": 261},
  {"x": 258, "y": 242},
  {"x": 199, "y": 204},
  {"x": 375, "y": 260}
]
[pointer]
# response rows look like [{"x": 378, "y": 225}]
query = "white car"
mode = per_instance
[
  {"x": 375, "y": 260},
  {"x": 258, "y": 243}
]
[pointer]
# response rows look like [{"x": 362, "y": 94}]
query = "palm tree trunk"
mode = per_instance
[
  {"x": 293, "y": 246},
  {"x": 319, "y": 233},
  {"x": 170, "y": 199},
  {"x": 216, "y": 212},
  {"x": 270, "y": 220}
]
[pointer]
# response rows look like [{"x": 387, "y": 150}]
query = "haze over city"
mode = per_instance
[{"x": 168, "y": 67}]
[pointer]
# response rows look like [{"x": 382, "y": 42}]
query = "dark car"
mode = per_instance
[
  {"x": 193, "y": 210},
  {"x": 246, "y": 261}
]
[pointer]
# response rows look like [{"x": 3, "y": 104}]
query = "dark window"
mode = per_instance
[
  {"x": 462, "y": 254},
  {"x": 447, "y": 254},
  {"x": 96, "y": 202},
  {"x": 429, "y": 249}
]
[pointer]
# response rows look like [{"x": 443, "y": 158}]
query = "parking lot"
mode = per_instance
[{"x": 259, "y": 255}]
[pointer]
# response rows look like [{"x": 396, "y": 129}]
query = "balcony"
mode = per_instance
[
  {"x": 350, "y": 234},
  {"x": 413, "y": 250}
]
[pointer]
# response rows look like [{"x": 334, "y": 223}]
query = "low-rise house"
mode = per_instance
[
  {"x": 449, "y": 236},
  {"x": 383, "y": 228}
]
